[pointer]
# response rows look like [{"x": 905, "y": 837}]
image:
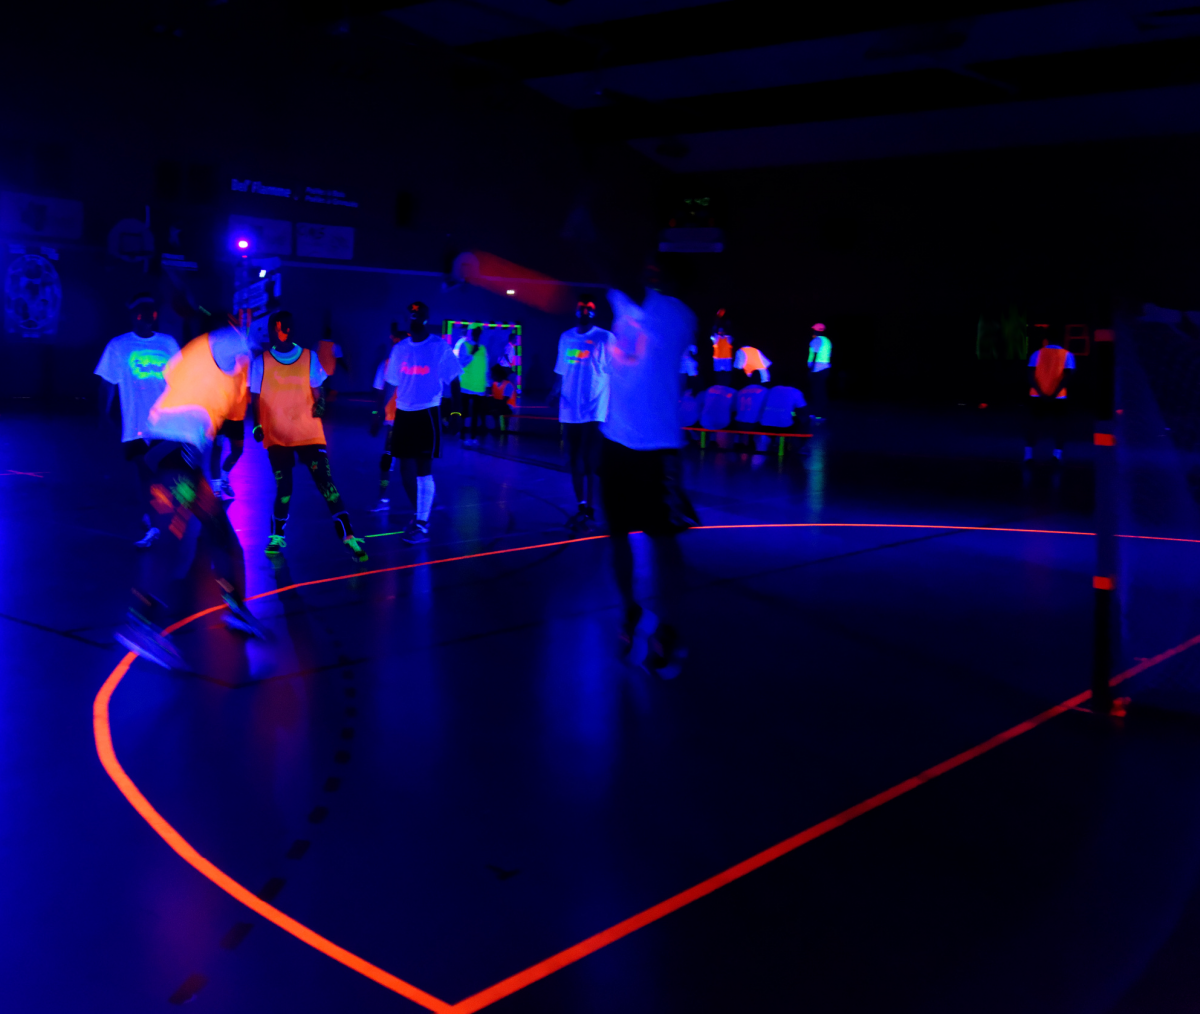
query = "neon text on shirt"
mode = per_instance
[
  {"x": 147, "y": 364},
  {"x": 413, "y": 371},
  {"x": 576, "y": 355}
]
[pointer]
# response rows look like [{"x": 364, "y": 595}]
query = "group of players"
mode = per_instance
[{"x": 617, "y": 393}]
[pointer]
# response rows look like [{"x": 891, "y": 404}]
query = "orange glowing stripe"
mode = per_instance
[
  {"x": 151, "y": 816},
  {"x": 1102, "y": 583},
  {"x": 104, "y": 748}
]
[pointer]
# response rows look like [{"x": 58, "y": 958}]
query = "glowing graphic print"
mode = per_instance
[{"x": 147, "y": 364}]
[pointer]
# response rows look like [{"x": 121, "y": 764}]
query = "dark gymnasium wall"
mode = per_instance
[
  {"x": 128, "y": 108},
  {"x": 900, "y": 257}
]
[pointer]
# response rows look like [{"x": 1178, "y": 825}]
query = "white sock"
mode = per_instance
[{"x": 425, "y": 488}]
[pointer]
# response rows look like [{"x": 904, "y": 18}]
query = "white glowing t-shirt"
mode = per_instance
[
  {"x": 135, "y": 366},
  {"x": 583, "y": 365},
  {"x": 418, "y": 371},
  {"x": 647, "y": 345}
]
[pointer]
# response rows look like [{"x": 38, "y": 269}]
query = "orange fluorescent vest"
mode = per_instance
[
  {"x": 1048, "y": 372},
  {"x": 723, "y": 349},
  {"x": 194, "y": 380},
  {"x": 285, "y": 404},
  {"x": 754, "y": 360}
]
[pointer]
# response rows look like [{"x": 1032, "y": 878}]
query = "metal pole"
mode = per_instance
[{"x": 1104, "y": 457}]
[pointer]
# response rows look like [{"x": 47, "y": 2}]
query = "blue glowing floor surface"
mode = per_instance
[{"x": 447, "y": 771}]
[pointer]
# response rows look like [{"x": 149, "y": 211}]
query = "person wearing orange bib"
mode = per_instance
[
  {"x": 286, "y": 404},
  {"x": 203, "y": 385},
  {"x": 722, "y": 345},
  {"x": 1050, "y": 369}
]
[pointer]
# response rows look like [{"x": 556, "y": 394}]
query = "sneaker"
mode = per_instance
[
  {"x": 276, "y": 545},
  {"x": 633, "y": 635},
  {"x": 357, "y": 547},
  {"x": 383, "y": 507},
  {"x": 222, "y": 489},
  {"x": 240, "y": 618},
  {"x": 665, "y": 653},
  {"x": 416, "y": 532},
  {"x": 148, "y": 642},
  {"x": 147, "y": 540},
  {"x": 1057, "y": 454}
]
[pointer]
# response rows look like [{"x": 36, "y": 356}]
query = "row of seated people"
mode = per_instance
[{"x": 752, "y": 408}]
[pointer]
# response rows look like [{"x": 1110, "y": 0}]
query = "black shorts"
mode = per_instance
[
  {"x": 134, "y": 449},
  {"x": 643, "y": 490},
  {"x": 416, "y": 434},
  {"x": 233, "y": 429},
  {"x": 583, "y": 443}
]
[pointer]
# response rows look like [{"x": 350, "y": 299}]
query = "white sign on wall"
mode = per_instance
[{"x": 333, "y": 242}]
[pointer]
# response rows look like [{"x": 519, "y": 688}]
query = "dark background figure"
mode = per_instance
[
  {"x": 581, "y": 388},
  {"x": 131, "y": 379}
]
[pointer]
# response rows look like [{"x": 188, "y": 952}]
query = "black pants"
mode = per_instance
[
  {"x": 315, "y": 458},
  {"x": 817, "y": 396},
  {"x": 1046, "y": 414},
  {"x": 475, "y": 410},
  {"x": 185, "y": 509},
  {"x": 583, "y": 448}
]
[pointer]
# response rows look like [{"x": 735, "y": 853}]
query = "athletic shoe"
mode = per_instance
[
  {"x": 276, "y": 545},
  {"x": 147, "y": 641},
  {"x": 633, "y": 635},
  {"x": 1057, "y": 454},
  {"x": 383, "y": 507},
  {"x": 147, "y": 540},
  {"x": 416, "y": 532},
  {"x": 240, "y": 618},
  {"x": 222, "y": 489},
  {"x": 357, "y": 547},
  {"x": 665, "y": 653}
]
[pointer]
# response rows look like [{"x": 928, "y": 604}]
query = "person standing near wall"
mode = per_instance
[
  {"x": 1049, "y": 370},
  {"x": 472, "y": 355},
  {"x": 641, "y": 468},
  {"x": 820, "y": 353},
  {"x": 582, "y": 389},
  {"x": 131, "y": 370}
]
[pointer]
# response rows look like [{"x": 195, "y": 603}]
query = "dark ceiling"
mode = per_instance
[{"x": 740, "y": 82}]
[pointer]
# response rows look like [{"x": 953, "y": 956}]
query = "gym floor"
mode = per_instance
[{"x": 439, "y": 765}]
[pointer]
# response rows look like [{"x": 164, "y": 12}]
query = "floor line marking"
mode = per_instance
[{"x": 102, "y": 733}]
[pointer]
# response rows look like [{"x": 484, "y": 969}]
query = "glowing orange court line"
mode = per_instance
[{"x": 104, "y": 748}]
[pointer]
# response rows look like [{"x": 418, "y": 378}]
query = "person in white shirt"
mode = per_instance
[
  {"x": 582, "y": 391},
  {"x": 641, "y": 482},
  {"x": 418, "y": 369},
  {"x": 131, "y": 372}
]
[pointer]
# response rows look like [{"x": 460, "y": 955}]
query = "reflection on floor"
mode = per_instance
[{"x": 445, "y": 770}]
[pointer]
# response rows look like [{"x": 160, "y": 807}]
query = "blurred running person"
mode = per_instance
[
  {"x": 582, "y": 390},
  {"x": 131, "y": 371},
  {"x": 287, "y": 403},
  {"x": 640, "y": 461},
  {"x": 203, "y": 384},
  {"x": 417, "y": 372}
]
